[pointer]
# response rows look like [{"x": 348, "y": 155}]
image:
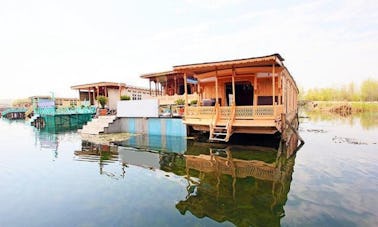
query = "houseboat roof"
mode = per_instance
[
  {"x": 159, "y": 74},
  {"x": 267, "y": 60},
  {"x": 98, "y": 84}
]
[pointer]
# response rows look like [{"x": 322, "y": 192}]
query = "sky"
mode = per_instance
[{"x": 48, "y": 46}]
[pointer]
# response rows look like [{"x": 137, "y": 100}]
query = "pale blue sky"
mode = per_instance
[{"x": 50, "y": 45}]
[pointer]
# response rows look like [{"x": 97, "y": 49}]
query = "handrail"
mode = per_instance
[{"x": 235, "y": 113}]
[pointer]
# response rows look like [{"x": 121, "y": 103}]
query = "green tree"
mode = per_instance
[{"x": 369, "y": 90}]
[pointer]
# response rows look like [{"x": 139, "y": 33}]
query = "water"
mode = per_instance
[{"x": 57, "y": 179}]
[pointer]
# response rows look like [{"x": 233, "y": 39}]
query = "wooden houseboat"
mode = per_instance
[
  {"x": 253, "y": 95},
  {"x": 112, "y": 90}
]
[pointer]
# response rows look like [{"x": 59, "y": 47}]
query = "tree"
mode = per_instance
[{"x": 369, "y": 90}]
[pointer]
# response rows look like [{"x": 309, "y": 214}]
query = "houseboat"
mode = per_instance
[
  {"x": 254, "y": 95},
  {"x": 112, "y": 90}
]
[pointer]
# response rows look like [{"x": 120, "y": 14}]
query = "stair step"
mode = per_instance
[
  {"x": 220, "y": 133},
  {"x": 218, "y": 139}
]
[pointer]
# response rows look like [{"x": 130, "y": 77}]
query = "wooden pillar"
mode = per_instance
[
  {"x": 216, "y": 86},
  {"x": 198, "y": 93},
  {"x": 233, "y": 87},
  {"x": 255, "y": 91},
  {"x": 279, "y": 89},
  {"x": 89, "y": 96},
  {"x": 150, "y": 88},
  {"x": 175, "y": 85},
  {"x": 156, "y": 88},
  {"x": 186, "y": 94},
  {"x": 273, "y": 84},
  {"x": 97, "y": 91},
  {"x": 119, "y": 91}
]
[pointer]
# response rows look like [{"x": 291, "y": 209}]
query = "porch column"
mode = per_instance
[
  {"x": 186, "y": 95},
  {"x": 233, "y": 87},
  {"x": 89, "y": 96},
  {"x": 119, "y": 92},
  {"x": 198, "y": 93},
  {"x": 156, "y": 88},
  {"x": 273, "y": 84},
  {"x": 255, "y": 92},
  {"x": 274, "y": 90},
  {"x": 279, "y": 95},
  {"x": 97, "y": 91},
  {"x": 216, "y": 86},
  {"x": 150, "y": 88},
  {"x": 175, "y": 85}
]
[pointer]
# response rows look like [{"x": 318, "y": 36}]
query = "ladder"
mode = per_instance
[{"x": 222, "y": 133}]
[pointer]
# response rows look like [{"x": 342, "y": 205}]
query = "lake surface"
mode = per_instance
[{"x": 56, "y": 179}]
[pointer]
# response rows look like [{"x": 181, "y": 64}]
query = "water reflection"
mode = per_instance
[
  {"x": 232, "y": 185},
  {"x": 49, "y": 138},
  {"x": 244, "y": 185},
  {"x": 367, "y": 120}
]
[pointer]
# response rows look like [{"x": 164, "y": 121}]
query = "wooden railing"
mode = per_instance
[
  {"x": 241, "y": 112},
  {"x": 170, "y": 99},
  {"x": 200, "y": 112}
]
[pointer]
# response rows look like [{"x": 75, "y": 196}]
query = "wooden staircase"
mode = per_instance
[
  {"x": 29, "y": 112},
  {"x": 222, "y": 132}
]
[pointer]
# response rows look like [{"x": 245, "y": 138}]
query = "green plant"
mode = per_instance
[
  {"x": 125, "y": 97},
  {"x": 180, "y": 102},
  {"x": 193, "y": 102},
  {"x": 102, "y": 100}
]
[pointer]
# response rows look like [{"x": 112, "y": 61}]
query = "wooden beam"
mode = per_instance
[
  {"x": 238, "y": 71},
  {"x": 233, "y": 87}
]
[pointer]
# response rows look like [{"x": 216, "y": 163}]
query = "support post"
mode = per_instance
[
  {"x": 233, "y": 87},
  {"x": 273, "y": 85},
  {"x": 274, "y": 90},
  {"x": 175, "y": 79},
  {"x": 216, "y": 87},
  {"x": 119, "y": 90},
  {"x": 89, "y": 96},
  {"x": 255, "y": 91},
  {"x": 150, "y": 88},
  {"x": 198, "y": 93},
  {"x": 186, "y": 94}
]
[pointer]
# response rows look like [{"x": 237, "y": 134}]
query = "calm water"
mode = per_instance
[{"x": 52, "y": 179}]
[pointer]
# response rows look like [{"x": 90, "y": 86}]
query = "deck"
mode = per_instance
[{"x": 244, "y": 119}]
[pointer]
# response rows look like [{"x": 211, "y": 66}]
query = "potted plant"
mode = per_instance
[
  {"x": 193, "y": 102},
  {"x": 102, "y": 100},
  {"x": 125, "y": 97},
  {"x": 180, "y": 106}
]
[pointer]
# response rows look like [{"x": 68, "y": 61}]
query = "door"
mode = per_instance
[{"x": 243, "y": 93}]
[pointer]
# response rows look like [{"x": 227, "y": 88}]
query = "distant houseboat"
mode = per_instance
[
  {"x": 112, "y": 90},
  {"x": 253, "y": 95}
]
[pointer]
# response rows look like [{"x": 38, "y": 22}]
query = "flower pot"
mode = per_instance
[{"x": 103, "y": 112}]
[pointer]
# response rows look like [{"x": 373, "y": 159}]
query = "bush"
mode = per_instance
[
  {"x": 125, "y": 97},
  {"x": 193, "y": 102},
  {"x": 102, "y": 100},
  {"x": 180, "y": 102}
]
